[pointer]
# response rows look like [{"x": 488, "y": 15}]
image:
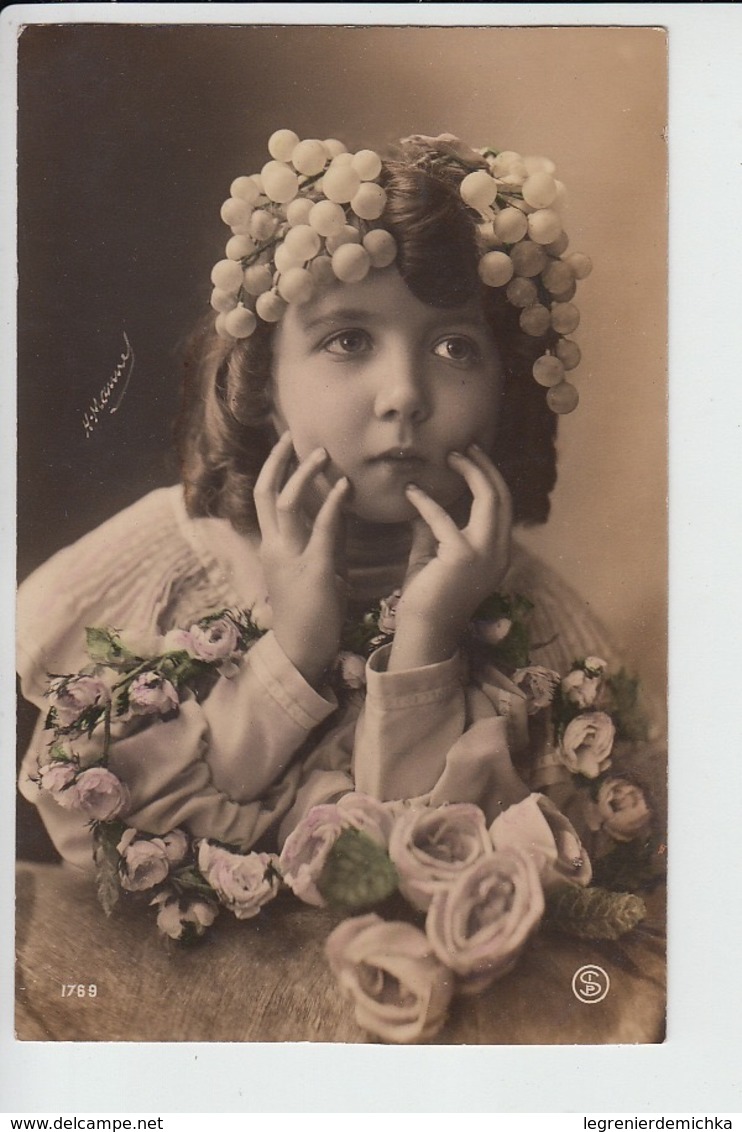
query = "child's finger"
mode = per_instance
[
  {"x": 484, "y": 513},
  {"x": 422, "y": 549},
  {"x": 504, "y": 499},
  {"x": 329, "y": 517},
  {"x": 292, "y": 501},
  {"x": 269, "y": 483},
  {"x": 439, "y": 521}
]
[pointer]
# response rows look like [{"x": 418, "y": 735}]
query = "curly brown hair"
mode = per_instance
[{"x": 224, "y": 430}]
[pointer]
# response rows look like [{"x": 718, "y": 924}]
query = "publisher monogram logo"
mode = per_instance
[{"x": 590, "y": 983}]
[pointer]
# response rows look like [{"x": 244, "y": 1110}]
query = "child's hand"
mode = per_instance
[
  {"x": 300, "y": 559},
  {"x": 451, "y": 571}
]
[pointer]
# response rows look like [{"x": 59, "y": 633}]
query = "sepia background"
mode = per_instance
[{"x": 129, "y": 137}]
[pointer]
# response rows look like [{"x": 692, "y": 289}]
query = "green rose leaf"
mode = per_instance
[
  {"x": 357, "y": 872},
  {"x": 104, "y": 647},
  {"x": 106, "y": 836}
]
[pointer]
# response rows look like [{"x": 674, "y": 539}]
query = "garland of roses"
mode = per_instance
[{"x": 482, "y": 894}]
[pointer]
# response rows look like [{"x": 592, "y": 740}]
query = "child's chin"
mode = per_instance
[{"x": 382, "y": 509}]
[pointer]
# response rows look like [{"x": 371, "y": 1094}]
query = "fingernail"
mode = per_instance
[
  {"x": 456, "y": 455},
  {"x": 411, "y": 487},
  {"x": 474, "y": 448}
]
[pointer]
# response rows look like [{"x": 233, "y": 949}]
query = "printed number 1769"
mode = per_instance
[{"x": 79, "y": 990}]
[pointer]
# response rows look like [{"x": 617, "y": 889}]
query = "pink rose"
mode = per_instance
[
  {"x": 215, "y": 640},
  {"x": 143, "y": 862},
  {"x": 479, "y": 924},
  {"x": 184, "y": 917},
  {"x": 587, "y": 743},
  {"x": 72, "y": 696},
  {"x": 177, "y": 640},
  {"x": 243, "y": 882},
  {"x": 352, "y": 669},
  {"x": 151, "y": 694},
  {"x": 176, "y": 845},
  {"x": 430, "y": 847},
  {"x": 367, "y": 815},
  {"x": 401, "y": 992},
  {"x": 537, "y": 828},
  {"x": 538, "y": 684},
  {"x": 98, "y": 794},
  {"x": 388, "y": 612},
  {"x": 306, "y": 849},
  {"x": 55, "y": 778},
  {"x": 622, "y": 810}
]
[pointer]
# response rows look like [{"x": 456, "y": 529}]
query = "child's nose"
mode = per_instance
[{"x": 403, "y": 389}]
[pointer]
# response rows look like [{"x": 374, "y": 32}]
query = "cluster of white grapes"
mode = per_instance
[
  {"x": 523, "y": 244},
  {"x": 291, "y": 230},
  {"x": 308, "y": 219}
]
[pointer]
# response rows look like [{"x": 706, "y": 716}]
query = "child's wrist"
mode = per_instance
[{"x": 421, "y": 640}]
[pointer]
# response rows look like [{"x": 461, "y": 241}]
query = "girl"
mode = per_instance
[{"x": 360, "y": 424}]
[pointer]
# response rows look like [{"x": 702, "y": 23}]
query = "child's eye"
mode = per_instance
[
  {"x": 457, "y": 348},
  {"x": 347, "y": 343}
]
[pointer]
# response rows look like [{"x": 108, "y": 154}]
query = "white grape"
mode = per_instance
[
  {"x": 521, "y": 292},
  {"x": 539, "y": 165},
  {"x": 221, "y": 328},
  {"x": 535, "y": 320},
  {"x": 226, "y": 275},
  {"x": 296, "y": 286},
  {"x": 240, "y": 322},
  {"x": 558, "y": 246},
  {"x": 539, "y": 190},
  {"x": 568, "y": 352},
  {"x": 284, "y": 258},
  {"x": 326, "y": 217},
  {"x": 239, "y": 246},
  {"x": 548, "y": 370},
  {"x": 309, "y": 157},
  {"x": 351, "y": 263},
  {"x": 270, "y": 306},
  {"x": 562, "y": 398},
  {"x": 280, "y": 182},
  {"x": 303, "y": 242},
  {"x": 258, "y": 182},
  {"x": 478, "y": 189},
  {"x": 544, "y": 225},
  {"x": 262, "y": 225},
  {"x": 281, "y": 144},
  {"x": 369, "y": 202},
  {"x": 347, "y": 235},
  {"x": 381, "y": 247},
  {"x": 334, "y": 147},
  {"x": 496, "y": 269},
  {"x": 297, "y": 210},
  {"x": 507, "y": 162},
  {"x": 565, "y": 317},
  {"x": 321, "y": 270},
  {"x": 223, "y": 300},
  {"x": 568, "y": 293},
  {"x": 342, "y": 158},
  {"x": 257, "y": 279},
  {"x": 367, "y": 164},
  {"x": 510, "y": 225},
  {"x": 486, "y": 236},
  {"x": 557, "y": 276},
  {"x": 340, "y": 183},
  {"x": 581, "y": 264},
  {"x": 244, "y": 188},
  {"x": 529, "y": 258},
  {"x": 236, "y": 212}
]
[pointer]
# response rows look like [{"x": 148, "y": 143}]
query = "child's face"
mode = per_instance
[{"x": 389, "y": 386}]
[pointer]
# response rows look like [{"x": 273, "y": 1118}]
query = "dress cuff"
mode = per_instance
[
  {"x": 414, "y": 686},
  {"x": 286, "y": 685}
]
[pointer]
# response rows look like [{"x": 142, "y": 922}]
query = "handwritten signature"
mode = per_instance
[{"x": 99, "y": 404}]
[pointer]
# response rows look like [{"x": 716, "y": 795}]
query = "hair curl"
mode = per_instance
[{"x": 224, "y": 430}]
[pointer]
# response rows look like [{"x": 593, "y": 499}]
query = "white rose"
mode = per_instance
[
  {"x": 214, "y": 640},
  {"x": 622, "y": 809},
  {"x": 352, "y": 669},
  {"x": 580, "y": 689},
  {"x": 492, "y": 632},
  {"x": 587, "y": 743},
  {"x": 430, "y": 847},
  {"x": 179, "y": 918},
  {"x": 537, "y": 828},
  {"x": 400, "y": 990},
  {"x": 143, "y": 862}
]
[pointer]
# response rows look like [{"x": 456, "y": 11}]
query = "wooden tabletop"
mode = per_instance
[{"x": 267, "y": 980}]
